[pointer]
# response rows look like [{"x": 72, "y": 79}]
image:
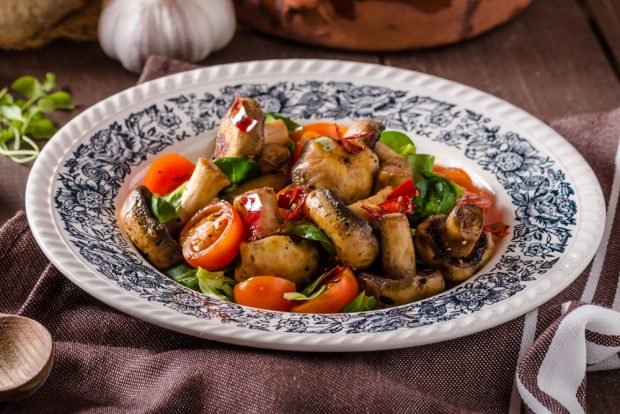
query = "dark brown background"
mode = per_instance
[{"x": 561, "y": 57}]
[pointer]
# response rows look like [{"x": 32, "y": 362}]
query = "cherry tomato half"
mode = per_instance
[
  {"x": 264, "y": 292},
  {"x": 168, "y": 172},
  {"x": 212, "y": 237},
  {"x": 340, "y": 290}
]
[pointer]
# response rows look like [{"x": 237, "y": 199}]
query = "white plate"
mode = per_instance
[{"x": 543, "y": 187}]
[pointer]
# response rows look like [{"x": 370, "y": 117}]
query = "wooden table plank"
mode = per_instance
[
  {"x": 606, "y": 15},
  {"x": 547, "y": 61}
]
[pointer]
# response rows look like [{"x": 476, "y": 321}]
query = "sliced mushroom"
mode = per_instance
[
  {"x": 397, "y": 253},
  {"x": 356, "y": 245},
  {"x": 367, "y": 129},
  {"x": 241, "y": 132},
  {"x": 259, "y": 210},
  {"x": 324, "y": 163},
  {"x": 440, "y": 247},
  {"x": 392, "y": 292},
  {"x": 147, "y": 234},
  {"x": 206, "y": 181},
  {"x": 393, "y": 167},
  {"x": 296, "y": 262},
  {"x": 277, "y": 181},
  {"x": 276, "y": 132},
  {"x": 374, "y": 200},
  {"x": 273, "y": 157},
  {"x": 463, "y": 228}
]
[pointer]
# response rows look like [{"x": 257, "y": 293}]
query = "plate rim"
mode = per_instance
[{"x": 39, "y": 211}]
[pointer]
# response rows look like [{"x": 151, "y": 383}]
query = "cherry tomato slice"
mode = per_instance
[
  {"x": 264, "y": 292},
  {"x": 168, "y": 172},
  {"x": 340, "y": 290},
  {"x": 212, "y": 237}
]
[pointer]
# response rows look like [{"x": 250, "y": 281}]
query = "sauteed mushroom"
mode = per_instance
[
  {"x": 278, "y": 256},
  {"x": 455, "y": 244},
  {"x": 206, "y": 181},
  {"x": 368, "y": 130},
  {"x": 400, "y": 284},
  {"x": 273, "y": 157},
  {"x": 393, "y": 167},
  {"x": 149, "y": 235},
  {"x": 394, "y": 292},
  {"x": 259, "y": 210},
  {"x": 241, "y": 132},
  {"x": 356, "y": 245},
  {"x": 324, "y": 163}
]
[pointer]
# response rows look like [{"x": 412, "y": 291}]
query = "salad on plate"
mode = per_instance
[{"x": 319, "y": 218}]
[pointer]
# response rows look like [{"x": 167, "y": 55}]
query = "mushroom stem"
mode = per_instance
[
  {"x": 390, "y": 292},
  {"x": 463, "y": 228},
  {"x": 397, "y": 253}
]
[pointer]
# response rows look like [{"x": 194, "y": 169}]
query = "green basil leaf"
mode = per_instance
[
  {"x": 311, "y": 288},
  {"x": 28, "y": 86},
  {"x": 57, "y": 100},
  {"x": 215, "y": 284},
  {"x": 399, "y": 142},
  {"x": 361, "y": 303},
  {"x": 309, "y": 231},
  {"x": 437, "y": 196},
  {"x": 292, "y": 126},
  {"x": 161, "y": 209},
  {"x": 237, "y": 169},
  {"x": 302, "y": 296},
  {"x": 185, "y": 275},
  {"x": 41, "y": 129},
  {"x": 174, "y": 197},
  {"x": 165, "y": 208},
  {"x": 420, "y": 163}
]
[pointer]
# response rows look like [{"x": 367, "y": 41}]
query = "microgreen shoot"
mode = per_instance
[{"x": 23, "y": 120}]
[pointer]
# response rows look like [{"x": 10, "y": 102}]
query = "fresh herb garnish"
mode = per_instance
[
  {"x": 292, "y": 126},
  {"x": 212, "y": 284},
  {"x": 303, "y": 296},
  {"x": 315, "y": 288},
  {"x": 165, "y": 208},
  {"x": 215, "y": 284},
  {"x": 399, "y": 142},
  {"x": 310, "y": 231},
  {"x": 23, "y": 120},
  {"x": 361, "y": 303},
  {"x": 185, "y": 275},
  {"x": 237, "y": 170},
  {"x": 420, "y": 163},
  {"x": 437, "y": 196}
]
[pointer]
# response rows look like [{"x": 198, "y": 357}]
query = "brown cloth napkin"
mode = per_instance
[{"x": 108, "y": 362}]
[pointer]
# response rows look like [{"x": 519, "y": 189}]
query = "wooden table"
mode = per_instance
[{"x": 560, "y": 57}]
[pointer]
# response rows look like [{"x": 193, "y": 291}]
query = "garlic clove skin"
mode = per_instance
[{"x": 131, "y": 31}]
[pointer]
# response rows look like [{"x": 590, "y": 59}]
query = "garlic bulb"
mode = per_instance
[{"x": 131, "y": 30}]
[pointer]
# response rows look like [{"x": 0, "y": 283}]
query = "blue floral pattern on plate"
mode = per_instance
[{"x": 543, "y": 199}]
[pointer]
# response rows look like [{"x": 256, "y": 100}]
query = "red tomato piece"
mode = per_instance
[
  {"x": 264, "y": 292},
  {"x": 212, "y": 237},
  {"x": 168, "y": 172},
  {"x": 340, "y": 290}
]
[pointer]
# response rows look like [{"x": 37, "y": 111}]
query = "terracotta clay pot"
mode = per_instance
[{"x": 377, "y": 24}]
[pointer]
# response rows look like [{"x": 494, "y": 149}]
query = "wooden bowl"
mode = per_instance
[{"x": 377, "y": 25}]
